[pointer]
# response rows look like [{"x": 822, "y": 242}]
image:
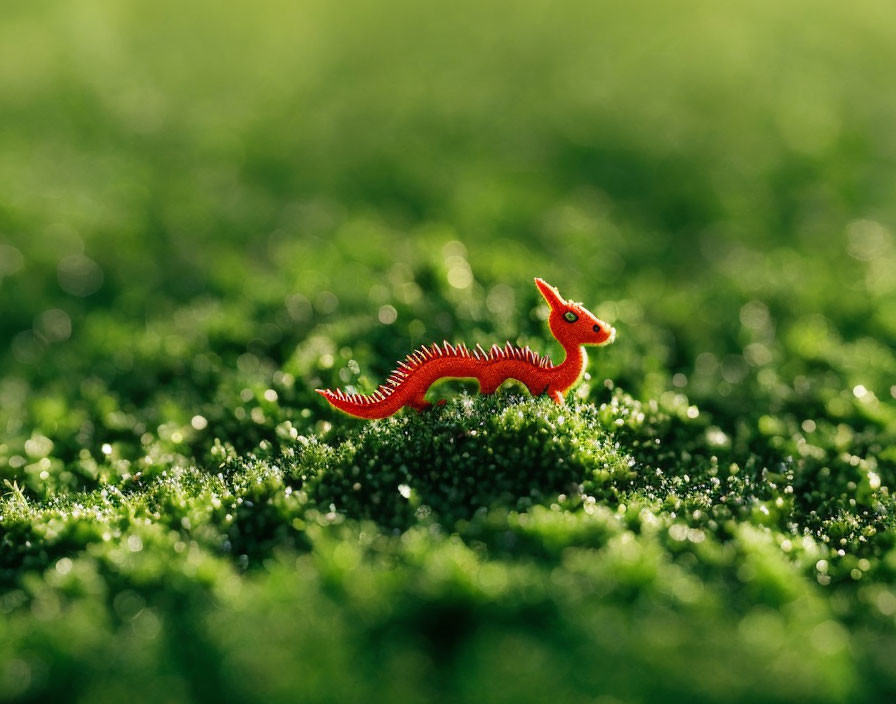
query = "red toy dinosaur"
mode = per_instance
[{"x": 570, "y": 323}]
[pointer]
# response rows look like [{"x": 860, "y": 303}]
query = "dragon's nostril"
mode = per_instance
[{"x": 597, "y": 328}]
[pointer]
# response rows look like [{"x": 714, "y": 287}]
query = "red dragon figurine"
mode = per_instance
[{"x": 570, "y": 323}]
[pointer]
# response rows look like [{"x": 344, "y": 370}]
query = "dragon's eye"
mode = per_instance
[{"x": 570, "y": 317}]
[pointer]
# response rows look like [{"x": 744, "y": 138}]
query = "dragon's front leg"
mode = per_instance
[{"x": 489, "y": 386}]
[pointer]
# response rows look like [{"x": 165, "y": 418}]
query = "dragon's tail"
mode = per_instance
[
  {"x": 394, "y": 394},
  {"x": 377, "y": 405}
]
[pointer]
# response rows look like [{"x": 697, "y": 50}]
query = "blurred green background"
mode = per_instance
[{"x": 209, "y": 209}]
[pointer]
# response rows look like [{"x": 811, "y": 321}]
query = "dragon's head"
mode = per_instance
[{"x": 571, "y": 323}]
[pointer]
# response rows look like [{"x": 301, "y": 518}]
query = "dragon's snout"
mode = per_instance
[{"x": 610, "y": 335}]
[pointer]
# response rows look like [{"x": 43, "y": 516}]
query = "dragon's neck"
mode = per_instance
[{"x": 570, "y": 369}]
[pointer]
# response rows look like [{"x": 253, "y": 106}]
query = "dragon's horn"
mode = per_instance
[{"x": 551, "y": 295}]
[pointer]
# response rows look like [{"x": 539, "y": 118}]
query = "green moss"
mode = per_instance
[
  {"x": 485, "y": 527},
  {"x": 467, "y": 456}
]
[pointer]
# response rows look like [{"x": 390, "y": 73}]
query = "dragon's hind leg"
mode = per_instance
[
  {"x": 535, "y": 388},
  {"x": 489, "y": 386},
  {"x": 419, "y": 403}
]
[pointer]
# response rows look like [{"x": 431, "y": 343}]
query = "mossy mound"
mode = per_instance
[{"x": 471, "y": 455}]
